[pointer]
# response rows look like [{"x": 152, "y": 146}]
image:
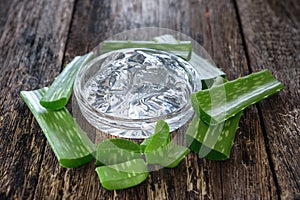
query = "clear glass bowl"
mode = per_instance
[{"x": 125, "y": 92}]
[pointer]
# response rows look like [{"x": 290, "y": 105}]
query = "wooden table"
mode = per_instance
[{"x": 38, "y": 37}]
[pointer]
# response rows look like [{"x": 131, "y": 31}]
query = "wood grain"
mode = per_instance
[
  {"x": 37, "y": 38},
  {"x": 32, "y": 48},
  {"x": 198, "y": 179},
  {"x": 271, "y": 30}
]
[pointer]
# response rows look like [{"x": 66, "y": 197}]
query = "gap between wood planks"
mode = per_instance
[
  {"x": 69, "y": 33},
  {"x": 61, "y": 69},
  {"x": 261, "y": 121}
]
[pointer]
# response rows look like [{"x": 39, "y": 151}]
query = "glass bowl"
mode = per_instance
[{"x": 125, "y": 92}]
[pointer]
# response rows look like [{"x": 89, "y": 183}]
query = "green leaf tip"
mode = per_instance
[
  {"x": 123, "y": 175},
  {"x": 161, "y": 128},
  {"x": 159, "y": 150},
  {"x": 169, "y": 156},
  {"x": 60, "y": 90},
  {"x": 160, "y": 138},
  {"x": 114, "y": 151},
  {"x": 206, "y": 70},
  {"x": 213, "y": 142}
]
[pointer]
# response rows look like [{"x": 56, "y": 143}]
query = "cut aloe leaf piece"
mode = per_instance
[
  {"x": 160, "y": 138},
  {"x": 213, "y": 142},
  {"x": 168, "y": 156},
  {"x": 170, "y": 39},
  {"x": 60, "y": 90},
  {"x": 206, "y": 70},
  {"x": 183, "y": 49},
  {"x": 70, "y": 143},
  {"x": 123, "y": 175},
  {"x": 159, "y": 150},
  {"x": 213, "y": 82},
  {"x": 213, "y": 106},
  {"x": 145, "y": 143},
  {"x": 114, "y": 151}
]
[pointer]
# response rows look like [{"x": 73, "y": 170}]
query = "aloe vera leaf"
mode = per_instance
[
  {"x": 70, "y": 143},
  {"x": 213, "y": 82},
  {"x": 170, "y": 39},
  {"x": 145, "y": 143},
  {"x": 166, "y": 39},
  {"x": 159, "y": 150},
  {"x": 205, "y": 69},
  {"x": 114, "y": 151},
  {"x": 168, "y": 156},
  {"x": 160, "y": 138},
  {"x": 161, "y": 128},
  {"x": 60, "y": 90},
  {"x": 213, "y": 142},
  {"x": 239, "y": 94},
  {"x": 203, "y": 139},
  {"x": 123, "y": 175},
  {"x": 182, "y": 49}
]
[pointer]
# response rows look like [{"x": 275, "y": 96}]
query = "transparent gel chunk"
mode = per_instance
[
  {"x": 138, "y": 85},
  {"x": 125, "y": 92}
]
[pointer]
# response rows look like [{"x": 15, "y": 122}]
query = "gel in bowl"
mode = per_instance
[{"x": 125, "y": 92}]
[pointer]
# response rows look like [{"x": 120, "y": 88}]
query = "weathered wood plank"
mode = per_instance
[
  {"x": 34, "y": 35},
  {"x": 271, "y": 30},
  {"x": 32, "y": 45},
  {"x": 215, "y": 26},
  {"x": 4, "y": 10},
  {"x": 248, "y": 165}
]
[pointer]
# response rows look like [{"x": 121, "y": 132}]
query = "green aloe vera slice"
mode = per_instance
[
  {"x": 70, "y": 143},
  {"x": 160, "y": 138},
  {"x": 205, "y": 69},
  {"x": 145, "y": 143},
  {"x": 168, "y": 156},
  {"x": 123, "y": 175},
  {"x": 213, "y": 142},
  {"x": 239, "y": 94},
  {"x": 167, "y": 38},
  {"x": 182, "y": 49},
  {"x": 60, "y": 90},
  {"x": 159, "y": 150},
  {"x": 170, "y": 39},
  {"x": 114, "y": 151}
]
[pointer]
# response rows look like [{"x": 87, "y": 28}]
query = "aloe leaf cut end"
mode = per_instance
[
  {"x": 168, "y": 156},
  {"x": 160, "y": 137},
  {"x": 213, "y": 142},
  {"x": 58, "y": 94},
  {"x": 221, "y": 102},
  {"x": 206, "y": 70},
  {"x": 159, "y": 150},
  {"x": 114, "y": 151},
  {"x": 70, "y": 143},
  {"x": 123, "y": 175}
]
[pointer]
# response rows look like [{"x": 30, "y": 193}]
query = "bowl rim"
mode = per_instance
[{"x": 84, "y": 104}]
